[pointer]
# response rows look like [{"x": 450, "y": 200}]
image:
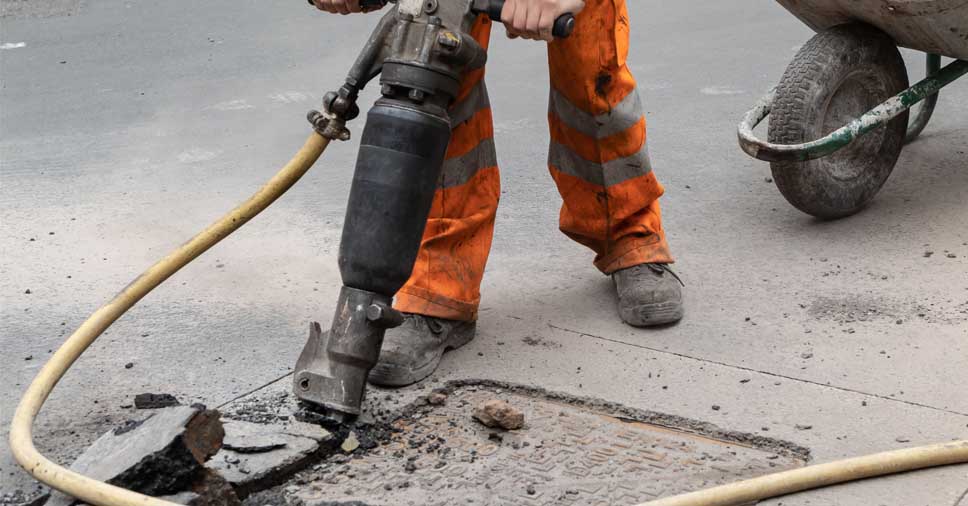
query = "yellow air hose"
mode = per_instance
[
  {"x": 822, "y": 475},
  {"x": 102, "y": 494},
  {"x": 21, "y": 440}
]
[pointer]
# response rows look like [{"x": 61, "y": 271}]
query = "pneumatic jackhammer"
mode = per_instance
[{"x": 420, "y": 49}]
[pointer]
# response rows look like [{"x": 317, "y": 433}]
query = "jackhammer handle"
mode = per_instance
[
  {"x": 368, "y": 5},
  {"x": 564, "y": 25}
]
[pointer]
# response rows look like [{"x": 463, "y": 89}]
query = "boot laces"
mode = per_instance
[{"x": 663, "y": 268}]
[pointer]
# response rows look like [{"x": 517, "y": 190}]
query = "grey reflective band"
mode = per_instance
[
  {"x": 602, "y": 174},
  {"x": 475, "y": 101},
  {"x": 623, "y": 116},
  {"x": 461, "y": 169}
]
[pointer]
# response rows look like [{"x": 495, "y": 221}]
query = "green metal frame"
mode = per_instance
[
  {"x": 923, "y": 116},
  {"x": 928, "y": 89}
]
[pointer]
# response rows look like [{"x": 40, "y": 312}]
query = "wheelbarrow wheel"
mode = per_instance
[{"x": 836, "y": 77}]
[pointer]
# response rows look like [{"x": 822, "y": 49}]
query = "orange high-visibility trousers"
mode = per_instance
[{"x": 598, "y": 158}]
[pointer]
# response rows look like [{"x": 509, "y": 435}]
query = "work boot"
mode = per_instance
[
  {"x": 648, "y": 295},
  {"x": 412, "y": 351}
]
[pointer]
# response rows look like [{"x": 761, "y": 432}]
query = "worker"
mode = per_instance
[{"x": 598, "y": 159}]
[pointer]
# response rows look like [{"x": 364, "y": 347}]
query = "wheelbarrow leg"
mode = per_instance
[{"x": 921, "y": 118}]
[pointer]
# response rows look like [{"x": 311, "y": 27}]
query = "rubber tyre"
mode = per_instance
[{"x": 837, "y": 76}]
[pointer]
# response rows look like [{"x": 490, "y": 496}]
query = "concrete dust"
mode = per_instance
[{"x": 861, "y": 308}]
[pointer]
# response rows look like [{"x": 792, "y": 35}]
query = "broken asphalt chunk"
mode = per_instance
[
  {"x": 284, "y": 449},
  {"x": 497, "y": 413},
  {"x": 160, "y": 455},
  {"x": 155, "y": 401}
]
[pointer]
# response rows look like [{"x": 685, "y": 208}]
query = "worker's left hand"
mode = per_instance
[{"x": 534, "y": 19}]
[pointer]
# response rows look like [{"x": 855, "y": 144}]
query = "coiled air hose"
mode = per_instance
[
  {"x": 21, "y": 439},
  {"x": 102, "y": 494}
]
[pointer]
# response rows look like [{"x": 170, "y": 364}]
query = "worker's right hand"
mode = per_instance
[
  {"x": 535, "y": 19},
  {"x": 341, "y": 6}
]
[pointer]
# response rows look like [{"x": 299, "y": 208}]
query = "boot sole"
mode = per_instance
[
  {"x": 385, "y": 375},
  {"x": 652, "y": 315}
]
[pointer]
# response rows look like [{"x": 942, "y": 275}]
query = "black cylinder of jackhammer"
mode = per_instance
[{"x": 401, "y": 154}]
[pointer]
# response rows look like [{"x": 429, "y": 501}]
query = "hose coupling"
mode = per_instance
[{"x": 329, "y": 125}]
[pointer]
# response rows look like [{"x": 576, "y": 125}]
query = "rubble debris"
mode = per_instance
[
  {"x": 204, "y": 433},
  {"x": 253, "y": 442},
  {"x": 23, "y": 498},
  {"x": 209, "y": 489},
  {"x": 155, "y": 401},
  {"x": 350, "y": 444},
  {"x": 437, "y": 399},
  {"x": 187, "y": 498},
  {"x": 497, "y": 413},
  {"x": 270, "y": 498},
  {"x": 250, "y": 471},
  {"x": 160, "y": 455}
]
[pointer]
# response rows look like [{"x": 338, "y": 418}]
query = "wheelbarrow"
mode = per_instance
[{"x": 841, "y": 113}]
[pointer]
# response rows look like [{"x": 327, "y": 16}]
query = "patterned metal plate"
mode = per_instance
[{"x": 567, "y": 454}]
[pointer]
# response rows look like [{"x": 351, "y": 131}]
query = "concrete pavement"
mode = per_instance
[{"x": 127, "y": 126}]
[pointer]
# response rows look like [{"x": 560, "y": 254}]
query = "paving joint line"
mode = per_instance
[
  {"x": 960, "y": 501},
  {"x": 685, "y": 356},
  {"x": 768, "y": 373},
  {"x": 254, "y": 390}
]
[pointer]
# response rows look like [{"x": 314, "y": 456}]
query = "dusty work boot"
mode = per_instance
[
  {"x": 412, "y": 351},
  {"x": 648, "y": 295}
]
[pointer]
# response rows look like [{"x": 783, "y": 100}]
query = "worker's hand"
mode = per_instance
[
  {"x": 534, "y": 19},
  {"x": 341, "y": 6}
]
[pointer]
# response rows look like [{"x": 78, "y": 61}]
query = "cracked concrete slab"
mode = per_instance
[{"x": 258, "y": 455}]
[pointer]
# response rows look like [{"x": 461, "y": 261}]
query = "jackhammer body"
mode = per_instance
[
  {"x": 420, "y": 49},
  {"x": 401, "y": 153}
]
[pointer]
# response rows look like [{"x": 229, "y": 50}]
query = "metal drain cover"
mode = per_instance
[{"x": 567, "y": 454}]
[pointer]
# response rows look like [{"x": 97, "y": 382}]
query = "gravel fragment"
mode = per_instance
[{"x": 497, "y": 413}]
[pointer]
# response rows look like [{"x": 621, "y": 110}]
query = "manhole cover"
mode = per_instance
[{"x": 568, "y": 453}]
